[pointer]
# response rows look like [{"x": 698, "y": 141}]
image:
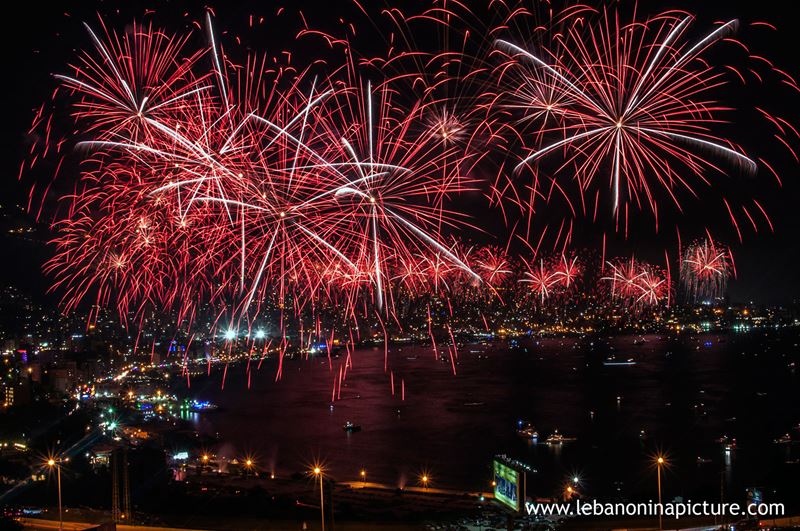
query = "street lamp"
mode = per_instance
[
  {"x": 659, "y": 463},
  {"x": 53, "y": 463},
  {"x": 363, "y": 474},
  {"x": 318, "y": 473},
  {"x": 424, "y": 479},
  {"x": 248, "y": 466}
]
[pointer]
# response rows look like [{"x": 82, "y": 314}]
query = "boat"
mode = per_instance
[
  {"x": 728, "y": 445},
  {"x": 703, "y": 460},
  {"x": 474, "y": 404},
  {"x": 784, "y": 439},
  {"x": 612, "y": 361},
  {"x": 528, "y": 431},
  {"x": 349, "y": 427},
  {"x": 557, "y": 438},
  {"x": 199, "y": 405}
]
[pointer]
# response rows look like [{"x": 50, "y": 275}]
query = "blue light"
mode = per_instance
[
  {"x": 230, "y": 335},
  {"x": 260, "y": 334}
]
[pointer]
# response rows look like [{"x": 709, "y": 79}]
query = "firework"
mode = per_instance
[
  {"x": 247, "y": 184},
  {"x": 251, "y": 184},
  {"x": 636, "y": 284},
  {"x": 706, "y": 267},
  {"x": 552, "y": 276},
  {"x": 630, "y": 104}
]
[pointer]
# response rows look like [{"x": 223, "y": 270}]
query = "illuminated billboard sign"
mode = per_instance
[{"x": 507, "y": 486}]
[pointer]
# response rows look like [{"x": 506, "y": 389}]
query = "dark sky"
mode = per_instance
[{"x": 40, "y": 38}]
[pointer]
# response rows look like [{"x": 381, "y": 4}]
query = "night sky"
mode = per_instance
[{"x": 41, "y": 38}]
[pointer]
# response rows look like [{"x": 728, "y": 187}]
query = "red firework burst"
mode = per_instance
[
  {"x": 631, "y": 104},
  {"x": 637, "y": 284},
  {"x": 706, "y": 267}
]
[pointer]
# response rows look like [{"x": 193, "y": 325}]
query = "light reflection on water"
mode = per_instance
[{"x": 678, "y": 399}]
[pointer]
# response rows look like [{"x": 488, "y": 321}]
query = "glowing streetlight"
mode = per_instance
[
  {"x": 363, "y": 475},
  {"x": 424, "y": 480},
  {"x": 249, "y": 464},
  {"x": 53, "y": 463},
  {"x": 318, "y": 473},
  {"x": 660, "y": 461}
]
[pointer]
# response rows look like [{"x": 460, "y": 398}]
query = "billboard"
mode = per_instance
[{"x": 507, "y": 486}]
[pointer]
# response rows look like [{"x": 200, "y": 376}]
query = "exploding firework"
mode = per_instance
[
  {"x": 549, "y": 277},
  {"x": 636, "y": 284},
  {"x": 205, "y": 186},
  {"x": 706, "y": 267},
  {"x": 258, "y": 185},
  {"x": 630, "y": 104}
]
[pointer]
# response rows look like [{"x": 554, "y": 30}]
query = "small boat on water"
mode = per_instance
[
  {"x": 528, "y": 431},
  {"x": 784, "y": 439},
  {"x": 613, "y": 361},
  {"x": 728, "y": 444},
  {"x": 349, "y": 427},
  {"x": 557, "y": 439}
]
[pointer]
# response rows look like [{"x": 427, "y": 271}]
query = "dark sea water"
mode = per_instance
[{"x": 680, "y": 397}]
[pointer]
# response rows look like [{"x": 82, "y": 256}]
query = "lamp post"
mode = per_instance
[
  {"x": 318, "y": 473},
  {"x": 425, "y": 481},
  {"x": 363, "y": 478},
  {"x": 53, "y": 463},
  {"x": 659, "y": 463}
]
